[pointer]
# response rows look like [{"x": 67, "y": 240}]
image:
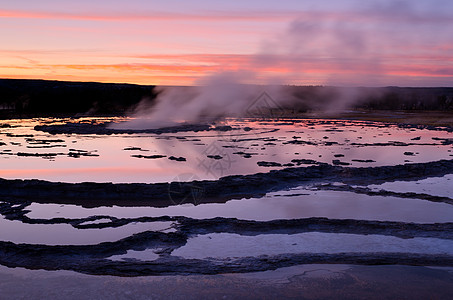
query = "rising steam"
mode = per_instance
[
  {"x": 351, "y": 51},
  {"x": 216, "y": 96}
]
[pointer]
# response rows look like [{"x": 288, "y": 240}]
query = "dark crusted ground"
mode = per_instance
[
  {"x": 93, "y": 259},
  {"x": 103, "y": 128},
  {"x": 16, "y": 195},
  {"x": 230, "y": 187}
]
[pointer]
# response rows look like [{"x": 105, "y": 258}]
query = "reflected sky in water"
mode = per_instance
[{"x": 240, "y": 150}]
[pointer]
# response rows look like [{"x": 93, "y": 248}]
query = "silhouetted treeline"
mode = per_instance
[
  {"x": 391, "y": 98},
  {"x": 42, "y": 96},
  {"x": 306, "y": 98},
  {"x": 27, "y": 97}
]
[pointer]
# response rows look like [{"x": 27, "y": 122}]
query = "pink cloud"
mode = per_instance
[{"x": 151, "y": 16}]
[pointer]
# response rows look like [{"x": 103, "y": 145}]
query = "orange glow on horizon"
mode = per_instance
[
  {"x": 167, "y": 45},
  {"x": 187, "y": 69}
]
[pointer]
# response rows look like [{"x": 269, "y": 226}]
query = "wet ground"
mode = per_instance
[
  {"x": 253, "y": 198},
  {"x": 88, "y": 150},
  {"x": 298, "y": 282}
]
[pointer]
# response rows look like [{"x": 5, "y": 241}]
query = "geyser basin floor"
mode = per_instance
[
  {"x": 312, "y": 281},
  {"x": 252, "y": 146},
  {"x": 225, "y": 245},
  {"x": 65, "y": 234},
  {"x": 294, "y": 204},
  {"x": 436, "y": 186},
  {"x": 272, "y": 220}
]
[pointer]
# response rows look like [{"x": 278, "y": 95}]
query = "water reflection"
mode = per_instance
[
  {"x": 64, "y": 234},
  {"x": 225, "y": 245},
  {"x": 167, "y": 232},
  {"x": 329, "y": 204},
  {"x": 208, "y": 155}
]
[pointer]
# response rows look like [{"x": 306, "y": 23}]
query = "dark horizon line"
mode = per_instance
[{"x": 165, "y": 85}]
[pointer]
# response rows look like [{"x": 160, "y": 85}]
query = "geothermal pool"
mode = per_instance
[
  {"x": 251, "y": 146},
  {"x": 304, "y": 191}
]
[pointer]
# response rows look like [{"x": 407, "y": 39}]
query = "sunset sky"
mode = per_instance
[{"x": 335, "y": 42}]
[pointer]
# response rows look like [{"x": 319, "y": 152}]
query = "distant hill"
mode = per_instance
[
  {"x": 42, "y": 96},
  {"x": 21, "y": 97}
]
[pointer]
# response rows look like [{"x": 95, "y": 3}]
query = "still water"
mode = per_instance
[
  {"x": 144, "y": 158},
  {"x": 119, "y": 235}
]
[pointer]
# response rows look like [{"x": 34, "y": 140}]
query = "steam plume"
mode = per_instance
[{"x": 354, "y": 53}]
